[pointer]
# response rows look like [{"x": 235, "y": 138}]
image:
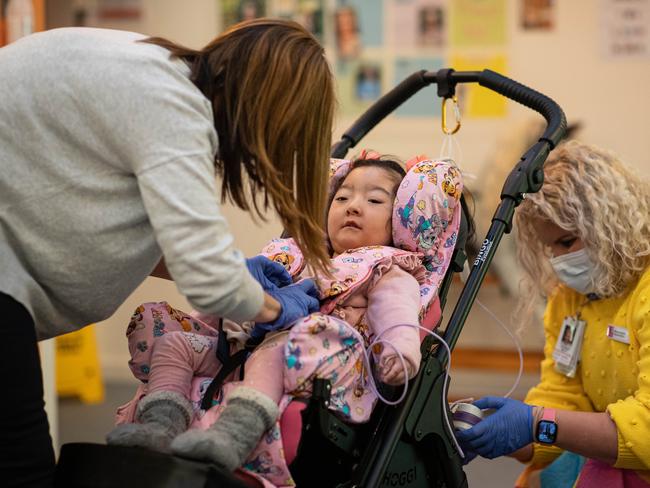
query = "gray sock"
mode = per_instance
[
  {"x": 231, "y": 439},
  {"x": 160, "y": 417}
]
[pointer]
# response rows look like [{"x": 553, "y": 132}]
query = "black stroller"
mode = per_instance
[{"x": 408, "y": 445}]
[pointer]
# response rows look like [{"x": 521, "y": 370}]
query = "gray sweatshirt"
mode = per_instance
[{"x": 106, "y": 161}]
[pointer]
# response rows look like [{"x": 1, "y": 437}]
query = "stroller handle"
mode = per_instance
[
  {"x": 551, "y": 111},
  {"x": 418, "y": 416},
  {"x": 446, "y": 79}
]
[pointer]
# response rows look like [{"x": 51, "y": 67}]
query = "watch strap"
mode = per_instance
[{"x": 549, "y": 414}]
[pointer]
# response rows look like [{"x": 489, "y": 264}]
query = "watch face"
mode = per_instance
[{"x": 546, "y": 431}]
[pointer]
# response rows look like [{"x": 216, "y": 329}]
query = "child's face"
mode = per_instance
[{"x": 360, "y": 213}]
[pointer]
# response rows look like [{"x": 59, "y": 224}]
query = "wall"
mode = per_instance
[
  {"x": 607, "y": 96},
  {"x": 191, "y": 22}
]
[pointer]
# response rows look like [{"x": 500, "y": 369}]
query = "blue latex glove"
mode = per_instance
[
  {"x": 509, "y": 428},
  {"x": 297, "y": 301},
  {"x": 269, "y": 274}
]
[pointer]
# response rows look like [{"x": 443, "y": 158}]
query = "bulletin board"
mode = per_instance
[
  {"x": 374, "y": 44},
  {"x": 573, "y": 51}
]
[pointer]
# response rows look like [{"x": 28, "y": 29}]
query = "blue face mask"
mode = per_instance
[{"x": 575, "y": 270}]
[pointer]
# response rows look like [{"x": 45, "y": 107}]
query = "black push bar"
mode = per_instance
[{"x": 446, "y": 80}]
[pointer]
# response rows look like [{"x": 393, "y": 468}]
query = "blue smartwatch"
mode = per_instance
[{"x": 546, "y": 430}]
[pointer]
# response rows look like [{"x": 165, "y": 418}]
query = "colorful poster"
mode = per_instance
[
  {"x": 478, "y": 23},
  {"x": 347, "y": 31},
  {"x": 308, "y": 13},
  {"x": 473, "y": 99},
  {"x": 426, "y": 102},
  {"x": 537, "y": 14},
  {"x": 358, "y": 24},
  {"x": 626, "y": 28},
  {"x": 419, "y": 23},
  {"x": 359, "y": 84},
  {"x": 234, "y": 11}
]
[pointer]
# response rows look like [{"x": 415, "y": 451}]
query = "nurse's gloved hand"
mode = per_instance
[
  {"x": 509, "y": 428},
  {"x": 297, "y": 301},
  {"x": 269, "y": 274}
]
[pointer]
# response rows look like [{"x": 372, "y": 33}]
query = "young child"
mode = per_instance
[{"x": 376, "y": 291}]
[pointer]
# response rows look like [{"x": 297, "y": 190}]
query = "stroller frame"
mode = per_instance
[
  {"x": 401, "y": 450},
  {"x": 408, "y": 445}
]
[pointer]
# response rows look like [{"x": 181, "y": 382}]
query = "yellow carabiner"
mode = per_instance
[{"x": 447, "y": 131}]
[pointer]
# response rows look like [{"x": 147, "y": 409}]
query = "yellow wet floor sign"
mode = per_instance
[{"x": 78, "y": 372}]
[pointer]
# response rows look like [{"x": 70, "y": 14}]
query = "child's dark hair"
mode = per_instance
[{"x": 390, "y": 164}]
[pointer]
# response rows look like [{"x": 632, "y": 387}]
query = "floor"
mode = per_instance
[{"x": 90, "y": 423}]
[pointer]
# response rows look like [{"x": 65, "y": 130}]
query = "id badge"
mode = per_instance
[{"x": 568, "y": 346}]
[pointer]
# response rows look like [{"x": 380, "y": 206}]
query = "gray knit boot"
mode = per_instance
[
  {"x": 160, "y": 417},
  {"x": 231, "y": 439}
]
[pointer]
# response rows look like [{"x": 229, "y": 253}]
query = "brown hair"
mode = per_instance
[{"x": 272, "y": 95}]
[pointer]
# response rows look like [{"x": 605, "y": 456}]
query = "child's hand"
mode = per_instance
[{"x": 391, "y": 371}]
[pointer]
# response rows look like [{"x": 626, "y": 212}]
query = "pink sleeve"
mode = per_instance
[{"x": 395, "y": 300}]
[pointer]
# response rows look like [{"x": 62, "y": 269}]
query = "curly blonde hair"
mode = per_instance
[{"x": 589, "y": 192}]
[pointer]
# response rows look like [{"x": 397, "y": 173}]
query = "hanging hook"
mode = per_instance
[{"x": 445, "y": 129}]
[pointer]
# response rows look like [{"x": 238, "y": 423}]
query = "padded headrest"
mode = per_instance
[{"x": 426, "y": 214}]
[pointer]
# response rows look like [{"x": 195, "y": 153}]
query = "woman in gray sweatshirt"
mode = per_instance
[{"x": 111, "y": 147}]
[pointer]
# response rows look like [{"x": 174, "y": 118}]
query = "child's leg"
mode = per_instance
[
  {"x": 251, "y": 410},
  {"x": 264, "y": 369},
  {"x": 166, "y": 411},
  {"x": 178, "y": 357}
]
